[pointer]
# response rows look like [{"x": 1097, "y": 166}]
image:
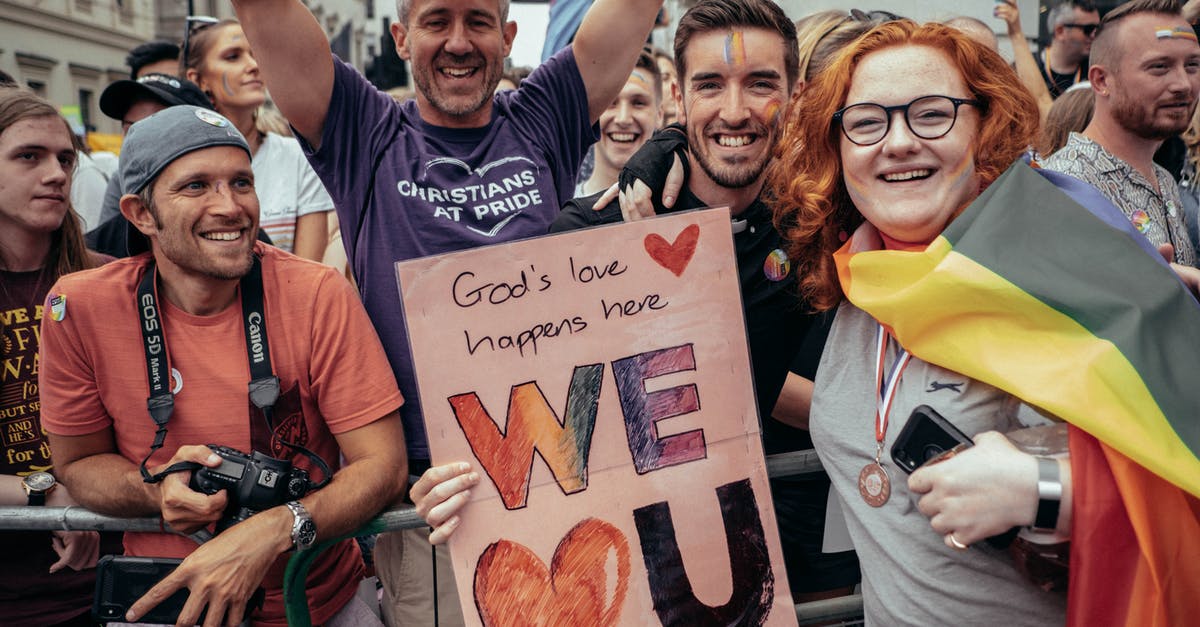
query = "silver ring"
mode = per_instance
[{"x": 959, "y": 546}]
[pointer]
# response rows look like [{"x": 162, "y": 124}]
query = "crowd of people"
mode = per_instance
[{"x": 846, "y": 145}]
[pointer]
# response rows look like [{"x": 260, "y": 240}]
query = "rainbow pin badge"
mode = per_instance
[
  {"x": 1140, "y": 220},
  {"x": 777, "y": 265},
  {"x": 57, "y": 305}
]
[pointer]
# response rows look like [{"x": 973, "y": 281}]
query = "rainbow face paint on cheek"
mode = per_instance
[
  {"x": 963, "y": 171},
  {"x": 1174, "y": 32},
  {"x": 856, "y": 188},
  {"x": 735, "y": 48},
  {"x": 855, "y": 185},
  {"x": 225, "y": 84},
  {"x": 962, "y": 183},
  {"x": 774, "y": 108}
]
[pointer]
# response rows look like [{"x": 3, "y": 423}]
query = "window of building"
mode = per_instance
[{"x": 85, "y": 108}]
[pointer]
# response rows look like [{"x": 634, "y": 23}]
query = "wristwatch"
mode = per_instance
[
  {"x": 1050, "y": 491},
  {"x": 304, "y": 530},
  {"x": 37, "y": 485}
]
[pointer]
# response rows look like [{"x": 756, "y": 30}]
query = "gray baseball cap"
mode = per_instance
[{"x": 155, "y": 142}]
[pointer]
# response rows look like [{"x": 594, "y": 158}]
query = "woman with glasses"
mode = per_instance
[
  {"x": 294, "y": 206},
  {"x": 905, "y": 129}
]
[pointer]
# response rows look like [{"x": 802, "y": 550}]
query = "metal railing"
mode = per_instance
[{"x": 76, "y": 518}]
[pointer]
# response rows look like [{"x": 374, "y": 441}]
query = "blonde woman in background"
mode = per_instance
[
  {"x": 294, "y": 205},
  {"x": 1070, "y": 113}
]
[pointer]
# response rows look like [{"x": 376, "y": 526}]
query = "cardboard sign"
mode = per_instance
[{"x": 599, "y": 382}]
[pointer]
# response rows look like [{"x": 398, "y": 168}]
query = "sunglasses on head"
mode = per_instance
[
  {"x": 1088, "y": 29},
  {"x": 194, "y": 24},
  {"x": 874, "y": 16}
]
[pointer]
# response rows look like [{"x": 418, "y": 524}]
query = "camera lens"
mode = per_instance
[{"x": 932, "y": 450}]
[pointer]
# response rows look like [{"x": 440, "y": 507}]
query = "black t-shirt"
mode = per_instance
[
  {"x": 777, "y": 319},
  {"x": 1057, "y": 83},
  {"x": 29, "y": 594}
]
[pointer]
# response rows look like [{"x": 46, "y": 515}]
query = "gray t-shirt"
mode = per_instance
[{"x": 910, "y": 577}]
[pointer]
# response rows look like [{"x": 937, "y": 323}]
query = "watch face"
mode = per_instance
[
  {"x": 40, "y": 481},
  {"x": 307, "y": 533}
]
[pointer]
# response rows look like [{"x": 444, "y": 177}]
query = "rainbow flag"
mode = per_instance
[{"x": 1042, "y": 288}]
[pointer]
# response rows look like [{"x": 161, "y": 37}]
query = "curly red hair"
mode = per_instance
[{"x": 807, "y": 191}]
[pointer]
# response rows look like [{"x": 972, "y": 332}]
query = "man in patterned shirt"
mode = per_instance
[{"x": 1146, "y": 75}]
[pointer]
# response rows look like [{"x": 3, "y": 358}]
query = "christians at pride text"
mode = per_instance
[{"x": 485, "y": 199}]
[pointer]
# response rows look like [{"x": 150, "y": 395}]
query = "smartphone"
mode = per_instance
[
  {"x": 925, "y": 436},
  {"x": 122, "y": 580}
]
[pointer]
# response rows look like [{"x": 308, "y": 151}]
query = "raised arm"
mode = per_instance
[
  {"x": 1026, "y": 66},
  {"x": 294, "y": 58},
  {"x": 607, "y": 44}
]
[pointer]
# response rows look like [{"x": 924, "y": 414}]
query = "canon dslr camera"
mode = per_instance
[{"x": 253, "y": 482}]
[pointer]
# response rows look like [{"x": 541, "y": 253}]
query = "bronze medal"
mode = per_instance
[{"x": 874, "y": 484}]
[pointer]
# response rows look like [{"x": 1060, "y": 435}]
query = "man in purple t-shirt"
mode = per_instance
[{"x": 457, "y": 167}]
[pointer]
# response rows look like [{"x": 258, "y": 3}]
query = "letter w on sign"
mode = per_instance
[{"x": 531, "y": 426}]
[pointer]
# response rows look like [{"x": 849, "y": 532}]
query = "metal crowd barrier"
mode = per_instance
[{"x": 79, "y": 519}]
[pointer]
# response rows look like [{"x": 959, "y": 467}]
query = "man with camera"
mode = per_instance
[{"x": 144, "y": 375}]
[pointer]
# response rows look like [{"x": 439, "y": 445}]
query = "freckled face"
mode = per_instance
[{"x": 907, "y": 187}]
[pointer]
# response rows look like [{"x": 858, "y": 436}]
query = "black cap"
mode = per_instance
[{"x": 169, "y": 90}]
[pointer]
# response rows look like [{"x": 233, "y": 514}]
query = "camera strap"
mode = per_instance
[{"x": 263, "y": 388}]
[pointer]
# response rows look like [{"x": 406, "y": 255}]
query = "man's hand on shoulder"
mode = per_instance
[{"x": 224, "y": 572}]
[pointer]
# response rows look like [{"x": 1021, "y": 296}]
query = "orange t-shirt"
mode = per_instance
[{"x": 333, "y": 372}]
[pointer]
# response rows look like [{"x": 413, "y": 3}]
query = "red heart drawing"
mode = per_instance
[
  {"x": 513, "y": 586},
  {"x": 674, "y": 256}
]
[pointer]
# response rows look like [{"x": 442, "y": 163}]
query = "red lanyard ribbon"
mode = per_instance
[{"x": 886, "y": 387}]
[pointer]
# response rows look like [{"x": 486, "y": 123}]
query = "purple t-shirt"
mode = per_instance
[{"x": 404, "y": 188}]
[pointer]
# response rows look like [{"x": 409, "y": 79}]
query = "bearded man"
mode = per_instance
[{"x": 1146, "y": 74}]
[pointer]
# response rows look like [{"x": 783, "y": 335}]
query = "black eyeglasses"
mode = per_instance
[
  {"x": 928, "y": 117},
  {"x": 1088, "y": 29},
  {"x": 193, "y": 24}
]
